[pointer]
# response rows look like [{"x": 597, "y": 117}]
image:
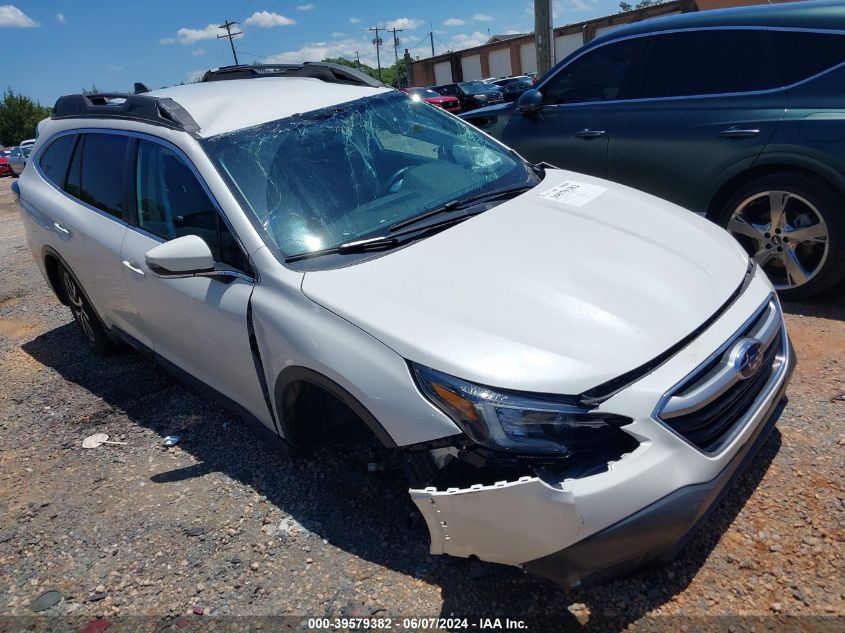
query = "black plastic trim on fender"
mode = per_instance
[
  {"x": 60, "y": 293},
  {"x": 659, "y": 530},
  {"x": 290, "y": 375},
  {"x": 259, "y": 364}
]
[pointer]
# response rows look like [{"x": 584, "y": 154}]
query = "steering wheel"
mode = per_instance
[{"x": 395, "y": 181}]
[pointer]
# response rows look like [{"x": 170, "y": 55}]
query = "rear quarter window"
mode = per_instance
[
  {"x": 56, "y": 159},
  {"x": 801, "y": 55}
]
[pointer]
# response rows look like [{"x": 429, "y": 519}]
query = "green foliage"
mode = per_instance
[
  {"x": 19, "y": 116},
  {"x": 627, "y": 6},
  {"x": 395, "y": 75}
]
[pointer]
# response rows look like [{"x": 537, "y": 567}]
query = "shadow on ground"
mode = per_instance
[
  {"x": 829, "y": 305},
  {"x": 369, "y": 516}
]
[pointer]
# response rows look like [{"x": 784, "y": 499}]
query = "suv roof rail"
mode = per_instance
[
  {"x": 325, "y": 71},
  {"x": 162, "y": 111}
]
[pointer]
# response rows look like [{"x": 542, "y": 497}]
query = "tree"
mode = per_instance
[
  {"x": 19, "y": 116},
  {"x": 394, "y": 75}
]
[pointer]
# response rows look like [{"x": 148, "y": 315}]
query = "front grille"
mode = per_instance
[{"x": 709, "y": 408}]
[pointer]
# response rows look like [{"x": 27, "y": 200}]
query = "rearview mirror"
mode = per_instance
[
  {"x": 187, "y": 255},
  {"x": 530, "y": 101}
]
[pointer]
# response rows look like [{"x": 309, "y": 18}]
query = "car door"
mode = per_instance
[
  {"x": 88, "y": 217},
  {"x": 706, "y": 106},
  {"x": 581, "y": 102},
  {"x": 199, "y": 324}
]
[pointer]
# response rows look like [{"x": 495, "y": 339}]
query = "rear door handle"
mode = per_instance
[
  {"x": 588, "y": 133},
  {"x": 134, "y": 267},
  {"x": 737, "y": 132},
  {"x": 60, "y": 228}
]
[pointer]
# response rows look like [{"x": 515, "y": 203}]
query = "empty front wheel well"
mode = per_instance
[
  {"x": 312, "y": 407},
  {"x": 727, "y": 189}
]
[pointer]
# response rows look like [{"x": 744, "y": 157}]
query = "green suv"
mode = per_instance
[{"x": 738, "y": 114}]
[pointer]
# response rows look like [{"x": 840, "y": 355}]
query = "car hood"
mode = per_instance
[
  {"x": 540, "y": 295},
  {"x": 440, "y": 99}
]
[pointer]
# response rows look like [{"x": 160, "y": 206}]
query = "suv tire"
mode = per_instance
[
  {"x": 84, "y": 314},
  {"x": 793, "y": 225}
]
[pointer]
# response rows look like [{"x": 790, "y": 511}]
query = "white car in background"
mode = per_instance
[{"x": 572, "y": 370}]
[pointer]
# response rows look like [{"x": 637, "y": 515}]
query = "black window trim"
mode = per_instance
[
  {"x": 78, "y": 132},
  {"x": 129, "y": 188},
  {"x": 578, "y": 54}
]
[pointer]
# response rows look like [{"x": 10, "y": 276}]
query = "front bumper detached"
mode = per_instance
[
  {"x": 643, "y": 508},
  {"x": 658, "y": 531}
]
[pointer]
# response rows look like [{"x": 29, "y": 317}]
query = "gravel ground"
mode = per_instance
[{"x": 227, "y": 523}]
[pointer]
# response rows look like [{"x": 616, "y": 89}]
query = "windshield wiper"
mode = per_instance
[
  {"x": 386, "y": 242},
  {"x": 462, "y": 203},
  {"x": 358, "y": 246}
]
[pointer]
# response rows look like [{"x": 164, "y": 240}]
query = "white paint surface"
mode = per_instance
[{"x": 500, "y": 63}]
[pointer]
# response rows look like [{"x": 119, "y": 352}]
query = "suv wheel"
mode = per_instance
[
  {"x": 793, "y": 226},
  {"x": 87, "y": 320}
]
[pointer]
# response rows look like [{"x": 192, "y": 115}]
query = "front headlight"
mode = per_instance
[{"x": 523, "y": 423}]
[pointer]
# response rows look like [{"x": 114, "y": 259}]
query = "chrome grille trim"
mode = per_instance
[
  {"x": 714, "y": 383},
  {"x": 710, "y": 407}
]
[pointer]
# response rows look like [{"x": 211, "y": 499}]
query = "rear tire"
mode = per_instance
[
  {"x": 793, "y": 226},
  {"x": 83, "y": 313}
]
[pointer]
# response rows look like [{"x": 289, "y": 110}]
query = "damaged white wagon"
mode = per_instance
[{"x": 573, "y": 371}]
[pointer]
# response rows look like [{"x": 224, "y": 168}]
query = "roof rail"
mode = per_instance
[
  {"x": 325, "y": 71},
  {"x": 161, "y": 111}
]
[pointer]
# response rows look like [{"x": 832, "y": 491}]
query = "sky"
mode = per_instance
[{"x": 56, "y": 47}]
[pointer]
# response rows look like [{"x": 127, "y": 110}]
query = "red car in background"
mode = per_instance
[
  {"x": 450, "y": 104},
  {"x": 5, "y": 170}
]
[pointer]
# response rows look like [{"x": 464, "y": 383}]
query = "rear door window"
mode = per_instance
[
  {"x": 801, "y": 55},
  {"x": 96, "y": 174},
  {"x": 602, "y": 74},
  {"x": 55, "y": 160},
  {"x": 705, "y": 62}
]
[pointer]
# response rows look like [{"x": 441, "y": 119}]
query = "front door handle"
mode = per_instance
[
  {"x": 134, "y": 267},
  {"x": 60, "y": 228},
  {"x": 737, "y": 132},
  {"x": 587, "y": 133}
]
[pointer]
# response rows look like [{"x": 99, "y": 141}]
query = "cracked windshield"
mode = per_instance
[{"x": 351, "y": 171}]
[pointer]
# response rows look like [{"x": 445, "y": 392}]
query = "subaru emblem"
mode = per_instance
[{"x": 746, "y": 357}]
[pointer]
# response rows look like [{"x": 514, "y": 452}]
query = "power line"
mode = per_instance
[{"x": 230, "y": 36}]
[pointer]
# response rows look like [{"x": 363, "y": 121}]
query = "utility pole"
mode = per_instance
[
  {"x": 357, "y": 61},
  {"x": 396, "y": 55},
  {"x": 396, "y": 44},
  {"x": 230, "y": 36},
  {"x": 543, "y": 35},
  {"x": 431, "y": 37},
  {"x": 377, "y": 42}
]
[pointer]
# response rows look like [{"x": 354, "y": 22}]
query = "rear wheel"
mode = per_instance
[
  {"x": 87, "y": 320},
  {"x": 793, "y": 226}
]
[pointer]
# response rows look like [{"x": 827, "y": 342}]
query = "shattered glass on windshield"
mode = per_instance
[{"x": 351, "y": 171}]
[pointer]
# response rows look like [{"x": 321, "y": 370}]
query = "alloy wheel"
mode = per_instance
[
  {"x": 78, "y": 306},
  {"x": 784, "y": 234}
]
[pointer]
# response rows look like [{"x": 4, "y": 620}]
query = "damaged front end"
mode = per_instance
[{"x": 501, "y": 490}]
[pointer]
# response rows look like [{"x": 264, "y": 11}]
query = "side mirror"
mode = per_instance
[
  {"x": 184, "y": 256},
  {"x": 530, "y": 101}
]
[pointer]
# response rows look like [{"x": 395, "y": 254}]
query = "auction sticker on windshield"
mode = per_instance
[{"x": 575, "y": 194}]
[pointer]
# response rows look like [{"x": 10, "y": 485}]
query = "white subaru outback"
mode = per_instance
[{"x": 572, "y": 370}]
